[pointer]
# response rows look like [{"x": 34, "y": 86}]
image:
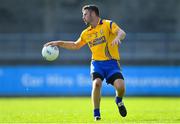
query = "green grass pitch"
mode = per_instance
[{"x": 79, "y": 110}]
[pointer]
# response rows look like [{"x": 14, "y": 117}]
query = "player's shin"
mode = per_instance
[
  {"x": 96, "y": 96},
  {"x": 120, "y": 89}
]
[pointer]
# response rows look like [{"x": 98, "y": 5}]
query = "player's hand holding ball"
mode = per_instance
[{"x": 50, "y": 51}]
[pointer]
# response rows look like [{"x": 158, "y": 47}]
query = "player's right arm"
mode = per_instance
[{"x": 73, "y": 45}]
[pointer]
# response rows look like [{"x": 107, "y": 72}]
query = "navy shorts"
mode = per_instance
[{"x": 109, "y": 69}]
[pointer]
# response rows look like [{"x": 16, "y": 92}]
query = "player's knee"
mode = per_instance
[
  {"x": 119, "y": 85},
  {"x": 97, "y": 83}
]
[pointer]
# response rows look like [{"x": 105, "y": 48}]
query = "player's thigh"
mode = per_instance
[
  {"x": 116, "y": 75},
  {"x": 97, "y": 79}
]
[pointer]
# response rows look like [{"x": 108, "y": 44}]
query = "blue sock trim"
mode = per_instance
[
  {"x": 96, "y": 112},
  {"x": 118, "y": 99}
]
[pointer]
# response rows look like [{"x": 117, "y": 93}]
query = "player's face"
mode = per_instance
[{"x": 87, "y": 16}]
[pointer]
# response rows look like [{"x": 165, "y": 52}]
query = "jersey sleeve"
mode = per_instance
[
  {"x": 113, "y": 27},
  {"x": 81, "y": 40}
]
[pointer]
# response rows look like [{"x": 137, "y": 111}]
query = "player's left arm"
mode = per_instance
[{"x": 120, "y": 36}]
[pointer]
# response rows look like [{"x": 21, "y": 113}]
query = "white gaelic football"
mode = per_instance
[{"x": 50, "y": 53}]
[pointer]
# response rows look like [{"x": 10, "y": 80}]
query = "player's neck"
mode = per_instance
[{"x": 95, "y": 22}]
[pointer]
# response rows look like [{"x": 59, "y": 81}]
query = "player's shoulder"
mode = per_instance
[
  {"x": 107, "y": 21},
  {"x": 110, "y": 23}
]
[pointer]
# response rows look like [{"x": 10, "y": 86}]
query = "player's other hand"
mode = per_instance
[
  {"x": 52, "y": 43},
  {"x": 116, "y": 41}
]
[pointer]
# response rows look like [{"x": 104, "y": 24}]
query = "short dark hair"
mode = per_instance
[{"x": 92, "y": 8}]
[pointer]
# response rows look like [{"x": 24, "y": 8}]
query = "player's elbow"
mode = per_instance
[
  {"x": 123, "y": 34},
  {"x": 77, "y": 46}
]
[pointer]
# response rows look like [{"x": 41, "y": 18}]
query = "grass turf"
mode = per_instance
[{"x": 79, "y": 110}]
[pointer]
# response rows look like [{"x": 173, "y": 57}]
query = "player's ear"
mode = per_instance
[{"x": 93, "y": 14}]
